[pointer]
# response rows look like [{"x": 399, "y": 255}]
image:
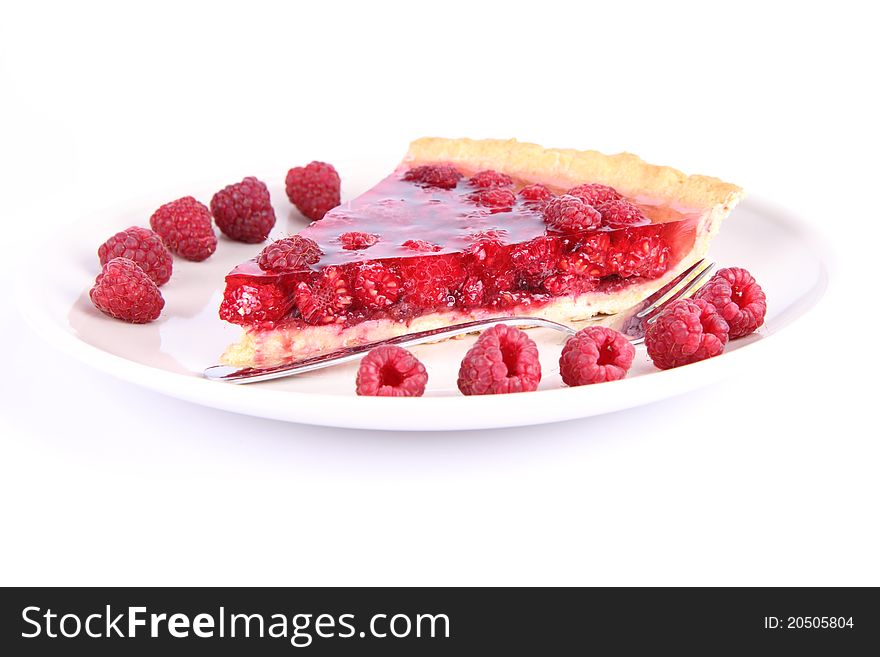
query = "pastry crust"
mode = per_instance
[{"x": 564, "y": 168}]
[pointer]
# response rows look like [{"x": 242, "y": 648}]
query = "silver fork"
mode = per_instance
[{"x": 632, "y": 323}]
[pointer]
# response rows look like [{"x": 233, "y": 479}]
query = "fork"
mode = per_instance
[{"x": 631, "y": 322}]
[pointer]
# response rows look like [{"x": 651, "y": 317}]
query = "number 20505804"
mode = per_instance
[{"x": 808, "y": 622}]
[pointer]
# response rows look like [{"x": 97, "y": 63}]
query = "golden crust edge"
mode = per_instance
[{"x": 557, "y": 167}]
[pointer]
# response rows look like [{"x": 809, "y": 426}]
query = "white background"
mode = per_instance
[{"x": 768, "y": 478}]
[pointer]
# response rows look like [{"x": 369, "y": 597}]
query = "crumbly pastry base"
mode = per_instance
[{"x": 554, "y": 167}]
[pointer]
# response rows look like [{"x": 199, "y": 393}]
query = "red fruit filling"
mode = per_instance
[
  {"x": 504, "y": 359},
  {"x": 595, "y": 194},
  {"x": 495, "y": 198},
  {"x": 376, "y": 286},
  {"x": 391, "y": 372},
  {"x": 323, "y": 300},
  {"x": 421, "y": 246},
  {"x": 357, "y": 240},
  {"x": 569, "y": 214},
  {"x": 262, "y": 304},
  {"x": 429, "y": 239},
  {"x": 536, "y": 192},
  {"x": 621, "y": 213},
  {"x": 490, "y": 178},
  {"x": 443, "y": 176}
]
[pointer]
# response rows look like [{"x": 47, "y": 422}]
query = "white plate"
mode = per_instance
[{"x": 170, "y": 354}]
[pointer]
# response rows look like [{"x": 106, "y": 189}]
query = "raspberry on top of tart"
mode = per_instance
[{"x": 465, "y": 230}]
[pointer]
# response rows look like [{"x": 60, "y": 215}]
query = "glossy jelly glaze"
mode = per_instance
[{"x": 429, "y": 248}]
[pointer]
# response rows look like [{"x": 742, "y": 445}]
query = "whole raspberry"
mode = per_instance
[
  {"x": 313, "y": 189},
  {"x": 472, "y": 292},
  {"x": 185, "y": 227},
  {"x": 594, "y": 194},
  {"x": 243, "y": 211},
  {"x": 535, "y": 192},
  {"x": 594, "y": 355},
  {"x": 391, "y": 372},
  {"x": 433, "y": 281},
  {"x": 421, "y": 246},
  {"x": 376, "y": 286},
  {"x": 687, "y": 331},
  {"x": 491, "y": 260},
  {"x": 535, "y": 260},
  {"x": 444, "y": 176},
  {"x": 355, "y": 241},
  {"x": 589, "y": 257},
  {"x": 742, "y": 303},
  {"x": 144, "y": 247},
  {"x": 637, "y": 253},
  {"x": 569, "y": 214},
  {"x": 255, "y": 304},
  {"x": 504, "y": 359},
  {"x": 122, "y": 290},
  {"x": 621, "y": 213},
  {"x": 289, "y": 254},
  {"x": 490, "y": 178},
  {"x": 494, "y": 197},
  {"x": 325, "y": 301}
]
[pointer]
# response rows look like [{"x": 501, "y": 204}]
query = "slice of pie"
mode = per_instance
[{"x": 466, "y": 230}]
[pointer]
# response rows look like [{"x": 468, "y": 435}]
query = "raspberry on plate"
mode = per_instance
[
  {"x": 594, "y": 355},
  {"x": 243, "y": 211},
  {"x": 185, "y": 227},
  {"x": 504, "y": 359},
  {"x": 122, "y": 290},
  {"x": 289, "y": 254},
  {"x": 443, "y": 176},
  {"x": 144, "y": 247},
  {"x": 569, "y": 214},
  {"x": 738, "y": 298},
  {"x": 687, "y": 331},
  {"x": 313, "y": 189},
  {"x": 391, "y": 372}
]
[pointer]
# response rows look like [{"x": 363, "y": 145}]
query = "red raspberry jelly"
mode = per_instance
[{"x": 408, "y": 248}]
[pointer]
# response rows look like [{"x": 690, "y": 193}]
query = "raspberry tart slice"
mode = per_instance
[{"x": 466, "y": 230}]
